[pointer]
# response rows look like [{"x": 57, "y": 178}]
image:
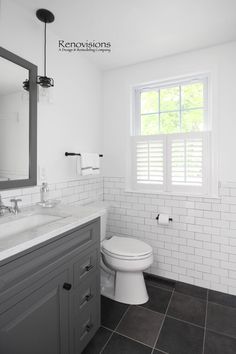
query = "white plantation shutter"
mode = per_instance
[
  {"x": 148, "y": 160},
  {"x": 171, "y": 163},
  {"x": 188, "y": 159}
]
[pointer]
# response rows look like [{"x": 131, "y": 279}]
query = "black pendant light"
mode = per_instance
[
  {"x": 26, "y": 85},
  {"x": 46, "y": 17}
]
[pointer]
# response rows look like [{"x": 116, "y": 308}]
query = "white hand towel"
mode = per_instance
[
  {"x": 78, "y": 166},
  {"x": 96, "y": 164},
  {"x": 87, "y": 164}
]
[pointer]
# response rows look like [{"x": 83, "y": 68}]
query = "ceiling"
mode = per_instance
[{"x": 141, "y": 30}]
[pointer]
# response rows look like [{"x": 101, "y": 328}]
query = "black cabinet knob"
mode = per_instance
[{"x": 67, "y": 286}]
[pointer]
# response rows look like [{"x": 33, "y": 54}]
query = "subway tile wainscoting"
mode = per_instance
[
  {"x": 83, "y": 190},
  {"x": 198, "y": 247}
]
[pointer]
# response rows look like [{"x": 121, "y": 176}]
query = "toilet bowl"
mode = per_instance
[
  {"x": 128, "y": 258},
  {"x": 123, "y": 260}
]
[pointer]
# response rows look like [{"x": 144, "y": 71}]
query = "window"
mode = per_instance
[{"x": 170, "y": 146}]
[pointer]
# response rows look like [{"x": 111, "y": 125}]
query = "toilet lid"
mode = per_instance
[{"x": 126, "y": 246}]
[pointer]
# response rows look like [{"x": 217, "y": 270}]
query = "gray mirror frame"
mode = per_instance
[{"x": 33, "y": 72}]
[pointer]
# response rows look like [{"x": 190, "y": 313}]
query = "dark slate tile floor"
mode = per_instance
[{"x": 178, "y": 319}]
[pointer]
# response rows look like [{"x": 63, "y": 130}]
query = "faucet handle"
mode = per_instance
[
  {"x": 15, "y": 206},
  {"x": 16, "y": 200}
]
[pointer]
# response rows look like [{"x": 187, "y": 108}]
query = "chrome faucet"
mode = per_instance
[
  {"x": 3, "y": 207},
  {"x": 15, "y": 209}
]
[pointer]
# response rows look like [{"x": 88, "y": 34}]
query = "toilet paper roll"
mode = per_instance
[{"x": 163, "y": 219}]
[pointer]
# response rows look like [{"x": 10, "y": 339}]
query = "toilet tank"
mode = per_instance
[{"x": 103, "y": 207}]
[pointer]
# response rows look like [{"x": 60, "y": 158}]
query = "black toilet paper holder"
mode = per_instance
[{"x": 157, "y": 218}]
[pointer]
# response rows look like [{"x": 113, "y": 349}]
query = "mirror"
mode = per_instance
[{"x": 18, "y": 122}]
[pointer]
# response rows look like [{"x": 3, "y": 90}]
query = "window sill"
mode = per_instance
[{"x": 139, "y": 191}]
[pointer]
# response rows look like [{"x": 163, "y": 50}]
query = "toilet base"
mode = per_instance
[
  {"x": 130, "y": 288},
  {"x": 107, "y": 285}
]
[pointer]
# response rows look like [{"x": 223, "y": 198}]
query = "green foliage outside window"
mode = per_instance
[{"x": 172, "y": 109}]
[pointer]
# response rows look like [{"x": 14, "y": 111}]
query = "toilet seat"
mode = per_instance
[
  {"x": 126, "y": 248},
  {"x": 125, "y": 257}
]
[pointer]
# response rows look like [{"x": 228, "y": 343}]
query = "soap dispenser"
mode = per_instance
[
  {"x": 45, "y": 201},
  {"x": 44, "y": 193}
]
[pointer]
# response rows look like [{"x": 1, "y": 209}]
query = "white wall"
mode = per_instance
[
  {"x": 72, "y": 121},
  {"x": 219, "y": 61}
]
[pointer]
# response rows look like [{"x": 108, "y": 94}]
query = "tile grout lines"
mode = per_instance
[
  {"x": 190, "y": 323},
  {"x": 124, "y": 335},
  {"x": 222, "y": 333},
  {"x": 176, "y": 318},
  {"x": 113, "y": 331},
  {"x": 162, "y": 323},
  {"x": 204, "y": 337},
  {"x": 110, "y": 330},
  {"x": 134, "y": 340},
  {"x": 165, "y": 316}
]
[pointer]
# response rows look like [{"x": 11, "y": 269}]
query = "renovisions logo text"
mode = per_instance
[{"x": 85, "y": 45}]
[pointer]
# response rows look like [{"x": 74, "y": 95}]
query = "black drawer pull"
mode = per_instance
[
  {"x": 88, "y": 268},
  {"x": 88, "y": 297},
  {"x": 67, "y": 286},
  {"x": 89, "y": 327}
]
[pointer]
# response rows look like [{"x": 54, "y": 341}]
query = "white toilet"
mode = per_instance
[
  {"x": 128, "y": 258},
  {"x": 122, "y": 264}
]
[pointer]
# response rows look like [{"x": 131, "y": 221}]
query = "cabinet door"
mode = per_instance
[{"x": 38, "y": 324}]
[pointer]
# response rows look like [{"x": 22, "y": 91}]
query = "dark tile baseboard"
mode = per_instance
[{"x": 164, "y": 283}]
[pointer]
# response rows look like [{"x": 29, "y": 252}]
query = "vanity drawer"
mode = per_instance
[
  {"x": 86, "y": 266},
  {"x": 87, "y": 324},
  {"x": 87, "y": 293},
  {"x": 30, "y": 267}
]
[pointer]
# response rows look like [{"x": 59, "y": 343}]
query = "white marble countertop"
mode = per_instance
[{"x": 67, "y": 218}]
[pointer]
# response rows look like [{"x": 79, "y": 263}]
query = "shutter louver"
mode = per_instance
[
  {"x": 171, "y": 163},
  {"x": 187, "y": 161},
  {"x": 149, "y": 161}
]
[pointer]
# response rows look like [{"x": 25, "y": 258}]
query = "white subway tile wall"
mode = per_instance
[
  {"x": 80, "y": 191},
  {"x": 198, "y": 247}
]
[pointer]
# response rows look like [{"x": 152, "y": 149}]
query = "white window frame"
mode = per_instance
[
  {"x": 136, "y": 118},
  {"x": 209, "y": 177}
]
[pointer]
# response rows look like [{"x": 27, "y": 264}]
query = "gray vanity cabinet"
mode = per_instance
[
  {"x": 50, "y": 295},
  {"x": 39, "y": 323}
]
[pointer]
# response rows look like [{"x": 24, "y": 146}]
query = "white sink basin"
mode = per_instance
[{"x": 26, "y": 223}]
